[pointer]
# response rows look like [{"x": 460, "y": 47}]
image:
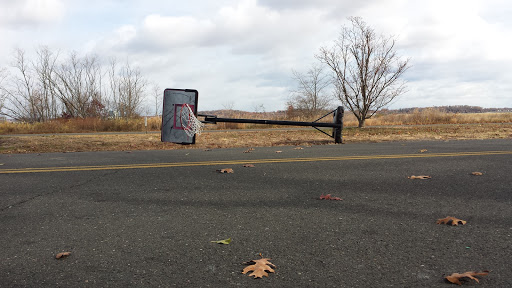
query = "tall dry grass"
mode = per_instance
[
  {"x": 82, "y": 126},
  {"x": 430, "y": 116},
  {"x": 418, "y": 117}
]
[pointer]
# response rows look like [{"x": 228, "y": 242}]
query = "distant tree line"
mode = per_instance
[
  {"x": 449, "y": 109},
  {"x": 51, "y": 86}
]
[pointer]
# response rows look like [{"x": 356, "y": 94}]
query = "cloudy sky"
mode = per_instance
[{"x": 242, "y": 53}]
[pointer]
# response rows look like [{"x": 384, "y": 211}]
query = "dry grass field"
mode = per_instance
[
  {"x": 433, "y": 116},
  {"x": 266, "y": 138},
  {"x": 428, "y": 124},
  {"x": 417, "y": 117}
]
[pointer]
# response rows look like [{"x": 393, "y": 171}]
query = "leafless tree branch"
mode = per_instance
[
  {"x": 366, "y": 69},
  {"x": 309, "y": 97}
]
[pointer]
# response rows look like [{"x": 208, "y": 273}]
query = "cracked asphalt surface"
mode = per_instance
[{"x": 141, "y": 225}]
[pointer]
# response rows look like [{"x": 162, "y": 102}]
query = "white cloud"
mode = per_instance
[
  {"x": 246, "y": 28},
  {"x": 249, "y": 48},
  {"x": 454, "y": 30},
  {"x": 171, "y": 32},
  {"x": 21, "y": 13},
  {"x": 458, "y": 50},
  {"x": 244, "y": 51}
]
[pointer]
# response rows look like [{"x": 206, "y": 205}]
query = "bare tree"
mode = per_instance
[
  {"x": 44, "y": 68},
  {"x": 228, "y": 106},
  {"x": 40, "y": 90},
  {"x": 47, "y": 88},
  {"x": 3, "y": 76},
  {"x": 24, "y": 100},
  {"x": 28, "y": 90},
  {"x": 131, "y": 91},
  {"x": 127, "y": 87},
  {"x": 113, "y": 83},
  {"x": 77, "y": 84},
  {"x": 157, "y": 93},
  {"x": 366, "y": 69},
  {"x": 258, "y": 108},
  {"x": 309, "y": 97}
]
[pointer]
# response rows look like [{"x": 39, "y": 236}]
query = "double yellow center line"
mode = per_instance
[{"x": 258, "y": 161}]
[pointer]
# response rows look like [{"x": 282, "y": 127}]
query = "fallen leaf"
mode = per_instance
[
  {"x": 298, "y": 148},
  {"x": 329, "y": 197},
  {"x": 207, "y": 149},
  {"x": 259, "y": 267},
  {"x": 423, "y": 150},
  {"x": 423, "y": 177},
  {"x": 248, "y": 165},
  {"x": 225, "y": 241},
  {"x": 456, "y": 277},
  {"x": 62, "y": 255},
  {"x": 279, "y": 151},
  {"x": 451, "y": 221},
  {"x": 477, "y": 173},
  {"x": 226, "y": 170},
  {"x": 249, "y": 150}
]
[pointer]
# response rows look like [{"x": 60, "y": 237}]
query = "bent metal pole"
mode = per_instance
[{"x": 337, "y": 125}]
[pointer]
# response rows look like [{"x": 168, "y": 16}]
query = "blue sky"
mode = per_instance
[{"x": 242, "y": 53}]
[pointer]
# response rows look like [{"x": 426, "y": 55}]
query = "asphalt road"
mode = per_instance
[{"x": 146, "y": 219}]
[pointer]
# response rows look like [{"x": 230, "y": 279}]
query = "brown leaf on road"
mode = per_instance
[
  {"x": 451, "y": 221},
  {"x": 298, "y": 148},
  {"x": 422, "y": 177},
  {"x": 62, "y": 255},
  {"x": 456, "y": 277},
  {"x": 259, "y": 267},
  {"x": 329, "y": 197},
  {"x": 279, "y": 151},
  {"x": 248, "y": 165},
  {"x": 249, "y": 150},
  {"x": 226, "y": 170},
  {"x": 477, "y": 173},
  {"x": 423, "y": 150}
]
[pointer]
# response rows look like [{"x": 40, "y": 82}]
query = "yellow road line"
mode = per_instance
[{"x": 259, "y": 161}]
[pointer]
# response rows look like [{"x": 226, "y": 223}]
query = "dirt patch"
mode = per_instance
[{"x": 267, "y": 138}]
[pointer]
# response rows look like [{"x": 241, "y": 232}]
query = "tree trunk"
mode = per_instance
[{"x": 361, "y": 122}]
